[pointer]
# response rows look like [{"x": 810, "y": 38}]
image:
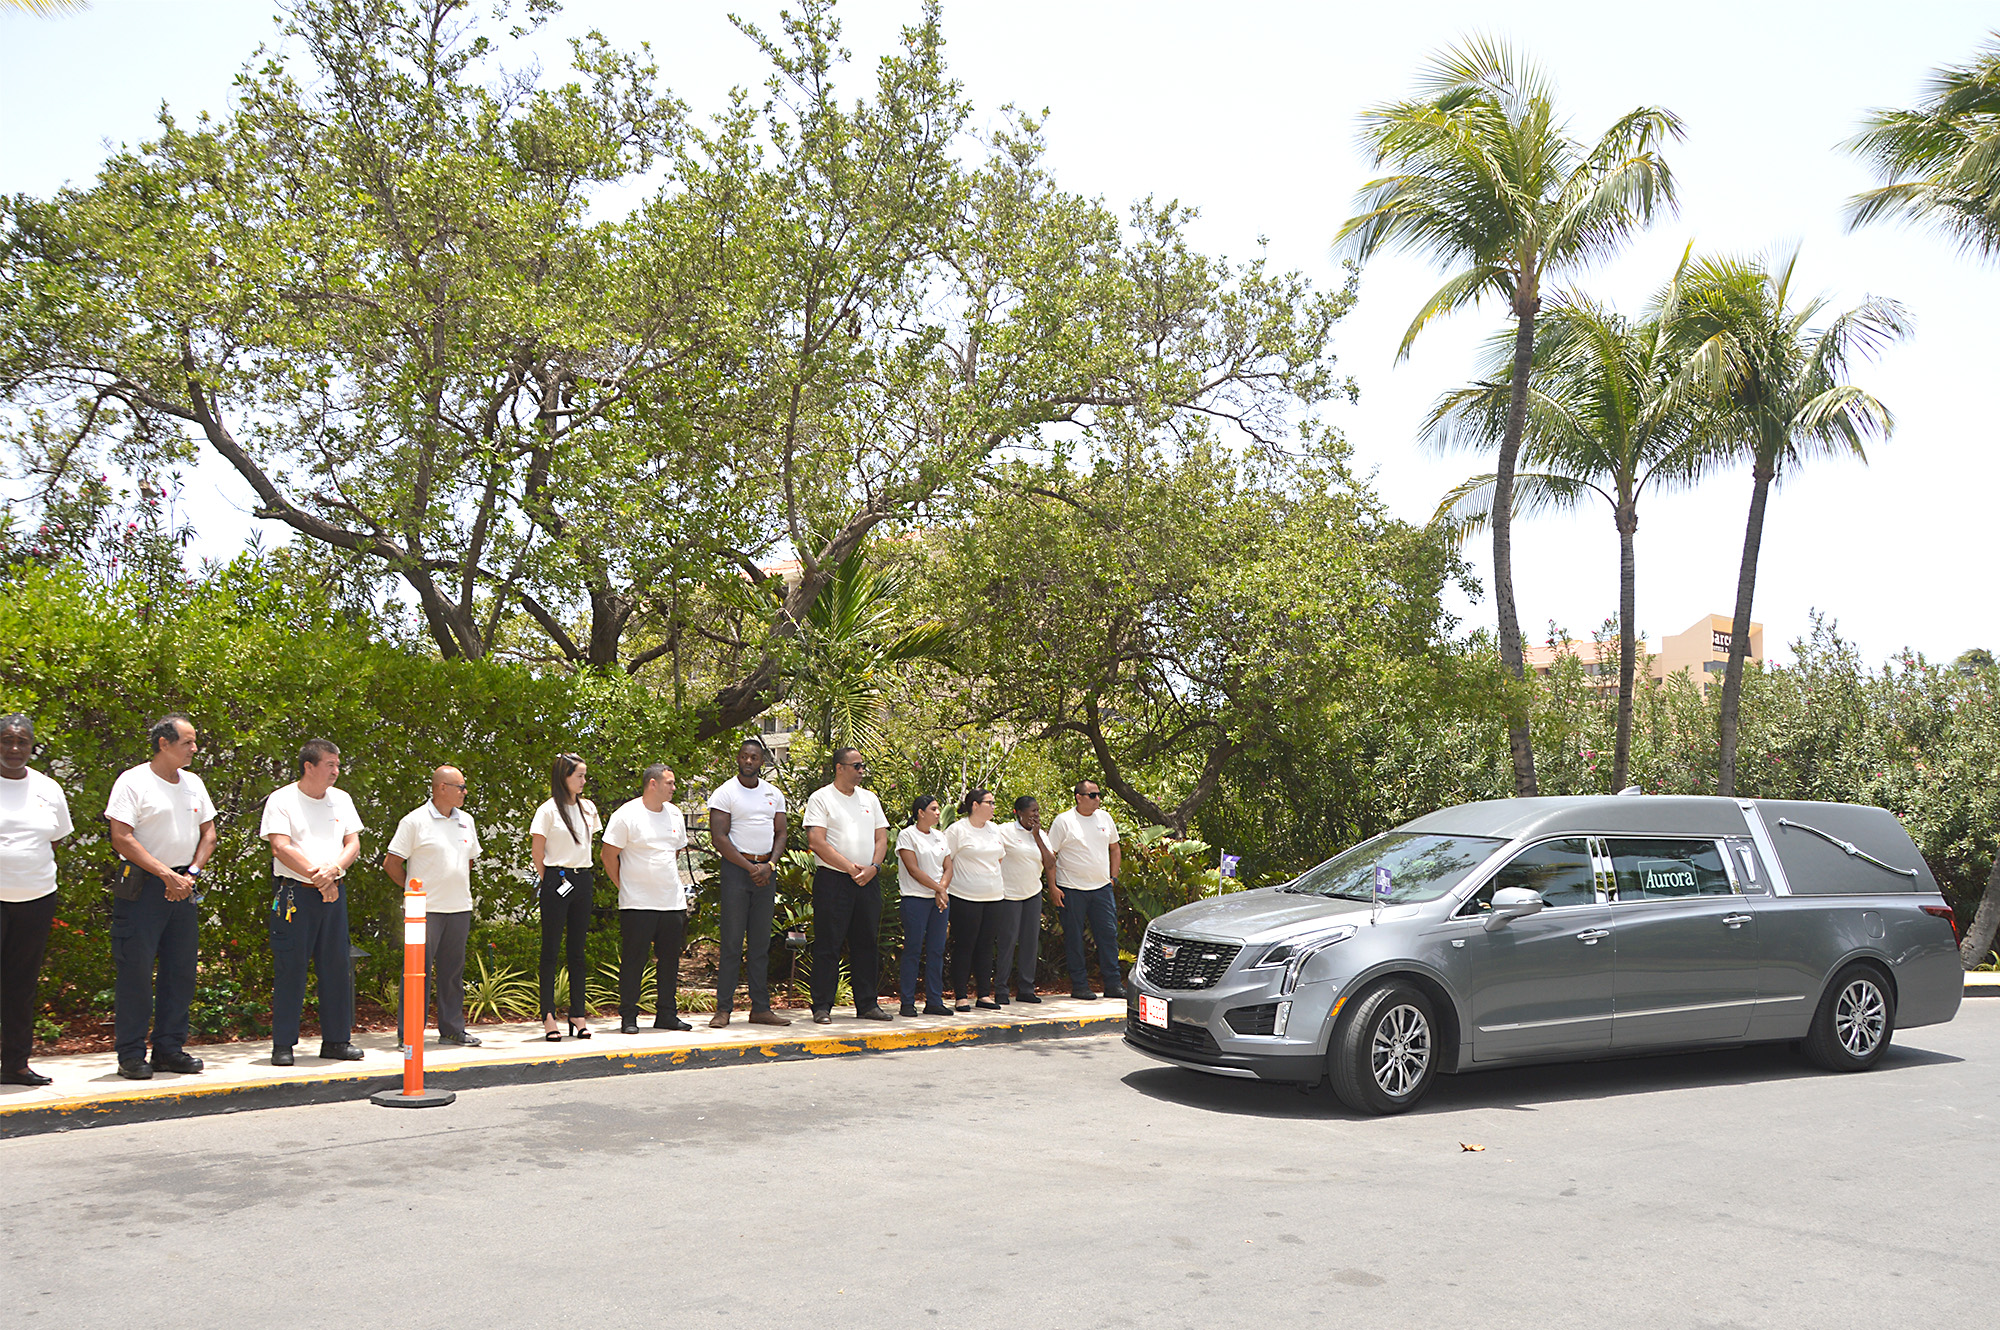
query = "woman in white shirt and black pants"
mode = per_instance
[
  {"x": 977, "y": 894},
  {"x": 559, "y": 842},
  {"x": 34, "y": 815}
]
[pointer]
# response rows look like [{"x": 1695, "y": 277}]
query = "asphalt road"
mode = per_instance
[{"x": 1062, "y": 1184}]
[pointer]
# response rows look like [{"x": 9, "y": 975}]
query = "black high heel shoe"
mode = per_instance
[{"x": 577, "y": 1031}]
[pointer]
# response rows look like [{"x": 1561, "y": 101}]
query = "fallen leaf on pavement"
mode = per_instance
[{"x": 1473, "y": 1148}]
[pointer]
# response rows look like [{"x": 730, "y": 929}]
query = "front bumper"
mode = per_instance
[{"x": 1200, "y": 1037}]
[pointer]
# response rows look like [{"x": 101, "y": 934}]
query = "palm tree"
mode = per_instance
[
  {"x": 850, "y": 645},
  {"x": 1940, "y": 162},
  {"x": 1783, "y": 392},
  {"x": 1489, "y": 183},
  {"x": 1607, "y": 416}
]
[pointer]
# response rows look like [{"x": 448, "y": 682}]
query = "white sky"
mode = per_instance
[{"x": 1251, "y": 118}]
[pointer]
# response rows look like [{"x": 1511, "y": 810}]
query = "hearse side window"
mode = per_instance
[
  {"x": 1654, "y": 870},
  {"x": 1559, "y": 869}
]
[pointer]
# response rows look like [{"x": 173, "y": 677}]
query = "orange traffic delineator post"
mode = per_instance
[{"x": 413, "y": 1094}]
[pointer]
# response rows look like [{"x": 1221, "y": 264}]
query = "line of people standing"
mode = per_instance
[{"x": 973, "y": 890}]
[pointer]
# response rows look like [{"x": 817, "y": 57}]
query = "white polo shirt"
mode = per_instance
[
  {"x": 753, "y": 814},
  {"x": 1082, "y": 847},
  {"x": 1021, "y": 866},
  {"x": 166, "y": 817},
  {"x": 438, "y": 849},
  {"x": 561, "y": 848},
  {"x": 851, "y": 821},
  {"x": 34, "y": 815},
  {"x": 317, "y": 827},
  {"x": 649, "y": 846},
  {"x": 928, "y": 849},
  {"x": 975, "y": 860}
]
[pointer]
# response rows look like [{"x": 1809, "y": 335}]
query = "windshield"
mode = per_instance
[{"x": 1421, "y": 867}]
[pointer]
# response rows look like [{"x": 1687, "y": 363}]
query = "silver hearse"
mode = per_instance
[{"x": 1532, "y": 930}]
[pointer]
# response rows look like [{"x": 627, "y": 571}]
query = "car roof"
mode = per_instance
[{"x": 1600, "y": 814}]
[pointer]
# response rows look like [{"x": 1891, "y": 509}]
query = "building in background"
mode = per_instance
[{"x": 1703, "y": 651}]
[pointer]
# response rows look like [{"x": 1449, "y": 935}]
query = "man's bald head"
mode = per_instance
[{"x": 447, "y": 788}]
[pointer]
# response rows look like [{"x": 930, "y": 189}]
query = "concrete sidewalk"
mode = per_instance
[{"x": 88, "y": 1092}]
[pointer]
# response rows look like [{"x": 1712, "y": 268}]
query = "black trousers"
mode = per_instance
[
  {"x": 746, "y": 919},
  {"x": 306, "y": 929},
  {"x": 843, "y": 911},
  {"x": 974, "y": 928},
  {"x": 444, "y": 968},
  {"x": 565, "y": 911},
  {"x": 148, "y": 932},
  {"x": 662, "y": 933},
  {"x": 24, "y": 938}
]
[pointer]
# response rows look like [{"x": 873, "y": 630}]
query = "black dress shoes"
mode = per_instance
[
  {"x": 909, "y": 1009},
  {"x": 672, "y": 1023},
  {"x": 936, "y": 1009},
  {"x": 467, "y": 1040},
  {"x": 22, "y": 1076},
  {"x": 822, "y": 1017},
  {"x": 1083, "y": 995},
  {"x": 340, "y": 1052},
  {"x": 1117, "y": 993},
  {"x": 281, "y": 1056},
  {"x": 1028, "y": 996},
  {"x": 628, "y": 1027},
  {"x": 186, "y": 1064},
  {"x": 136, "y": 1071},
  {"x": 875, "y": 1014}
]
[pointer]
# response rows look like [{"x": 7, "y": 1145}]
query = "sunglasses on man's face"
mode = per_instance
[{"x": 1091, "y": 794}]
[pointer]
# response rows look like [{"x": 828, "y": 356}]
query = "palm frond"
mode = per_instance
[{"x": 1467, "y": 507}]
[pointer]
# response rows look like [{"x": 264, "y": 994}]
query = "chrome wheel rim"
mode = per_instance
[
  {"x": 1401, "y": 1051},
  {"x": 1859, "y": 1016}
]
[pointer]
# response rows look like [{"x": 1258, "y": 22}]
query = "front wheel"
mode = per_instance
[
  {"x": 1855, "y": 1021},
  {"x": 1385, "y": 1052}
]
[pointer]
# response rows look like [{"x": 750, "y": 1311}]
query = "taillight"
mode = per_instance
[{"x": 1944, "y": 912}]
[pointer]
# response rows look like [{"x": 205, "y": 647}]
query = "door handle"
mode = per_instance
[
  {"x": 1736, "y": 920},
  {"x": 1589, "y": 936}
]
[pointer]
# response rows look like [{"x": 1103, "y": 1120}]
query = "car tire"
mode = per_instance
[
  {"x": 1855, "y": 1021},
  {"x": 1385, "y": 1051}
]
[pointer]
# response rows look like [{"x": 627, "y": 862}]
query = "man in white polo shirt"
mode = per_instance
[
  {"x": 1084, "y": 841},
  {"x": 163, "y": 827},
  {"x": 849, "y": 835},
  {"x": 315, "y": 836},
  {"x": 642, "y": 847},
  {"x": 436, "y": 844},
  {"x": 746, "y": 823}
]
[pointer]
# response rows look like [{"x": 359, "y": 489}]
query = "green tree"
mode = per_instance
[
  {"x": 379, "y": 289},
  {"x": 1608, "y": 415},
  {"x": 850, "y": 653},
  {"x": 1940, "y": 160},
  {"x": 1489, "y": 182},
  {"x": 1781, "y": 387},
  {"x": 1177, "y": 613}
]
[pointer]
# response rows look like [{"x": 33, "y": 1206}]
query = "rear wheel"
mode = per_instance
[
  {"x": 1855, "y": 1021},
  {"x": 1385, "y": 1053}
]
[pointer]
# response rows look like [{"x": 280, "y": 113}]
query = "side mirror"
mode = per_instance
[{"x": 1513, "y": 903}]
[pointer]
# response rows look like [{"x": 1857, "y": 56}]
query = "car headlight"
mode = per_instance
[{"x": 1294, "y": 955}]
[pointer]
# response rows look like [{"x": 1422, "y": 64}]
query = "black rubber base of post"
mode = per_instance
[{"x": 397, "y": 1099}]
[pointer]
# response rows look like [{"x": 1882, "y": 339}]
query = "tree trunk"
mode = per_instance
[
  {"x": 1761, "y": 473},
  {"x": 1985, "y": 923},
  {"x": 1628, "y": 651},
  {"x": 1520, "y": 740}
]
